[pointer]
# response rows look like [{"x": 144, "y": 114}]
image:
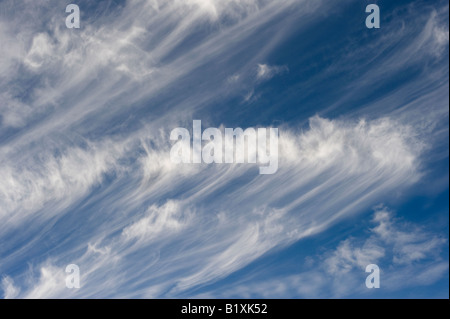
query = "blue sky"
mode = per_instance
[{"x": 86, "y": 178}]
